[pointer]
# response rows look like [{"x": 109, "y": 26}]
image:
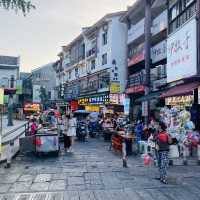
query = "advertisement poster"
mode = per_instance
[
  {"x": 126, "y": 106},
  {"x": 36, "y": 94},
  {"x": 115, "y": 88},
  {"x": 182, "y": 53}
]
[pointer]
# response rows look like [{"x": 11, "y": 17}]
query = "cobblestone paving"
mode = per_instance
[{"x": 93, "y": 172}]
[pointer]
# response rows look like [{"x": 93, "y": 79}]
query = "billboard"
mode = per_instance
[
  {"x": 182, "y": 52},
  {"x": 36, "y": 94}
]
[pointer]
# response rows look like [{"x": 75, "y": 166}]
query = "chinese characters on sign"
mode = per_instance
[
  {"x": 182, "y": 53},
  {"x": 94, "y": 100},
  {"x": 135, "y": 89},
  {"x": 180, "y": 100}
]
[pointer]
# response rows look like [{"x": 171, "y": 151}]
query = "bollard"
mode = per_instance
[
  {"x": 124, "y": 154},
  {"x": 198, "y": 154}
]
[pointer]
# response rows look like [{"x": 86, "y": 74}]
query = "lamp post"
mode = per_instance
[{"x": 148, "y": 22}]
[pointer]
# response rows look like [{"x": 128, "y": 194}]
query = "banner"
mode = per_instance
[
  {"x": 115, "y": 88},
  {"x": 36, "y": 94},
  {"x": 126, "y": 106}
]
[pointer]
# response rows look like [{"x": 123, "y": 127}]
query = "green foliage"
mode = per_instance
[{"x": 18, "y": 5}]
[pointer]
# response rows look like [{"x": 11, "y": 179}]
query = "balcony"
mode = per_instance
[{"x": 91, "y": 52}]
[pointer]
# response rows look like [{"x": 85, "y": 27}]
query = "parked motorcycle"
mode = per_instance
[
  {"x": 94, "y": 129},
  {"x": 81, "y": 131}
]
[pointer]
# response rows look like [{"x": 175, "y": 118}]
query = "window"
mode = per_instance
[
  {"x": 104, "y": 59},
  {"x": 105, "y": 38},
  {"x": 76, "y": 72},
  {"x": 93, "y": 64},
  {"x": 70, "y": 74}
]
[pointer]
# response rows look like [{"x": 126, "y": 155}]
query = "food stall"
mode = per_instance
[
  {"x": 31, "y": 108},
  {"x": 45, "y": 141}
]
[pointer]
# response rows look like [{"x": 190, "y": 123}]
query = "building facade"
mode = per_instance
[
  {"x": 137, "y": 73},
  {"x": 92, "y": 67},
  {"x": 44, "y": 78}
]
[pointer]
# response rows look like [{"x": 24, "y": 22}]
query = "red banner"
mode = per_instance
[
  {"x": 74, "y": 105},
  {"x": 135, "y": 89},
  {"x": 135, "y": 59}
]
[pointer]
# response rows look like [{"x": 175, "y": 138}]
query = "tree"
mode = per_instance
[{"x": 18, "y": 5}]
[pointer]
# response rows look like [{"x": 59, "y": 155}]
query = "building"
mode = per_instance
[
  {"x": 44, "y": 81},
  {"x": 137, "y": 52},
  {"x": 26, "y": 88},
  {"x": 92, "y": 67},
  {"x": 9, "y": 75}
]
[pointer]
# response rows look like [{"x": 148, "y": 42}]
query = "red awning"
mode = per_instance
[{"x": 184, "y": 89}]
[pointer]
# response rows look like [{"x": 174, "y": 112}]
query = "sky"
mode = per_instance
[{"x": 38, "y": 37}]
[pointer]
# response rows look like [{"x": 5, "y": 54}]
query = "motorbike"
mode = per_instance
[
  {"x": 81, "y": 131},
  {"x": 94, "y": 129}
]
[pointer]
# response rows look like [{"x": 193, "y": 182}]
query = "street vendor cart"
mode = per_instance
[{"x": 45, "y": 141}]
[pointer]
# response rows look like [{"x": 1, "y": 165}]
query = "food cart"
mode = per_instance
[
  {"x": 45, "y": 141},
  {"x": 31, "y": 108}
]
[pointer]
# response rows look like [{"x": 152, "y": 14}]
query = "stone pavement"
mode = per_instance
[{"x": 93, "y": 172}]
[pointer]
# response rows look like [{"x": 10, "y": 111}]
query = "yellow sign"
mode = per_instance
[
  {"x": 92, "y": 108},
  {"x": 179, "y": 100},
  {"x": 115, "y": 88},
  {"x": 1, "y": 96},
  {"x": 32, "y": 107}
]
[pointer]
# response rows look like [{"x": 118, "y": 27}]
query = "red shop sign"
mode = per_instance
[
  {"x": 135, "y": 89},
  {"x": 74, "y": 105},
  {"x": 135, "y": 59}
]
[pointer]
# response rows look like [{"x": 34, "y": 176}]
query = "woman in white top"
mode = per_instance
[{"x": 71, "y": 132}]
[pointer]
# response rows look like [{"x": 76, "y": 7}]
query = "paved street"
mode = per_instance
[{"x": 93, "y": 172}]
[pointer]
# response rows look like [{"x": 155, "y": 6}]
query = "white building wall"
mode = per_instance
[{"x": 5, "y": 75}]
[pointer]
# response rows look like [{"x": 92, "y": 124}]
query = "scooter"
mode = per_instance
[
  {"x": 93, "y": 129},
  {"x": 81, "y": 131}
]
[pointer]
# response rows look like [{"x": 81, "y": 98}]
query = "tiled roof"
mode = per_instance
[{"x": 8, "y": 60}]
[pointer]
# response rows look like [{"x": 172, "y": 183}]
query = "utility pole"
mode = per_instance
[{"x": 147, "y": 30}]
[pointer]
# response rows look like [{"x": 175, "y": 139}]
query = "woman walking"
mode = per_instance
[
  {"x": 65, "y": 124},
  {"x": 71, "y": 132},
  {"x": 163, "y": 141}
]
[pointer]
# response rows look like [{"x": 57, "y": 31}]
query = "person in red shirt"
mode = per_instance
[
  {"x": 163, "y": 142},
  {"x": 33, "y": 127}
]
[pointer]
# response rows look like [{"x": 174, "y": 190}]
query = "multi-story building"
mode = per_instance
[
  {"x": 44, "y": 77},
  {"x": 94, "y": 64},
  {"x": 135, "y": 20}
]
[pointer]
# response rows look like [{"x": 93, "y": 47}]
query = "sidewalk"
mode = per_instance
[{"x": 93, "y": 172}]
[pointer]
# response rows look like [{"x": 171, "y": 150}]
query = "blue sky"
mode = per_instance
[{"x": 38, "y": 37}]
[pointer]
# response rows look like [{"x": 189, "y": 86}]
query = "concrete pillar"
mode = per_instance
[{"x": 148, "y": 22}]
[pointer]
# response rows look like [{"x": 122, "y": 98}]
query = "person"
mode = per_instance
[
  {"x": 71, "y": 132},
  {"x": 163, "y": 141},
  {"x": 53, "y": 120},
  {"x": 64, "y": 128},
  {"x": 33, "y": 127}
]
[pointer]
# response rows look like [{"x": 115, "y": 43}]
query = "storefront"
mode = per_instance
[{"x": 102, "y": 103}]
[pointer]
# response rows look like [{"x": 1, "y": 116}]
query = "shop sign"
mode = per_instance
[
  {"x": 135, "y": 59},
  {"x": 135, "y": 89},
  {"x": 179, "y": 100},
  {"x": 145, "y": 108},
  {"x": 92, "y": 108},
  {"x": 34, "y": 107},
  {"x": 115, "y": 88},
  {"x": 36, "y": 94},
  {"x": 159, "y": 51},
  {"x": 126, "y": 106},
  {"x": 182, "y": 52},
  {"x": 94, "y": 100},
  {"x": 74, "y": 105},
  {"x": 117, "y": 99}
]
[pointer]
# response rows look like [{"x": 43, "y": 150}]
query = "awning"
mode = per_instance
[
  {"x": 185, "y": 89},
  {"x": 154, "y": 95}
]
